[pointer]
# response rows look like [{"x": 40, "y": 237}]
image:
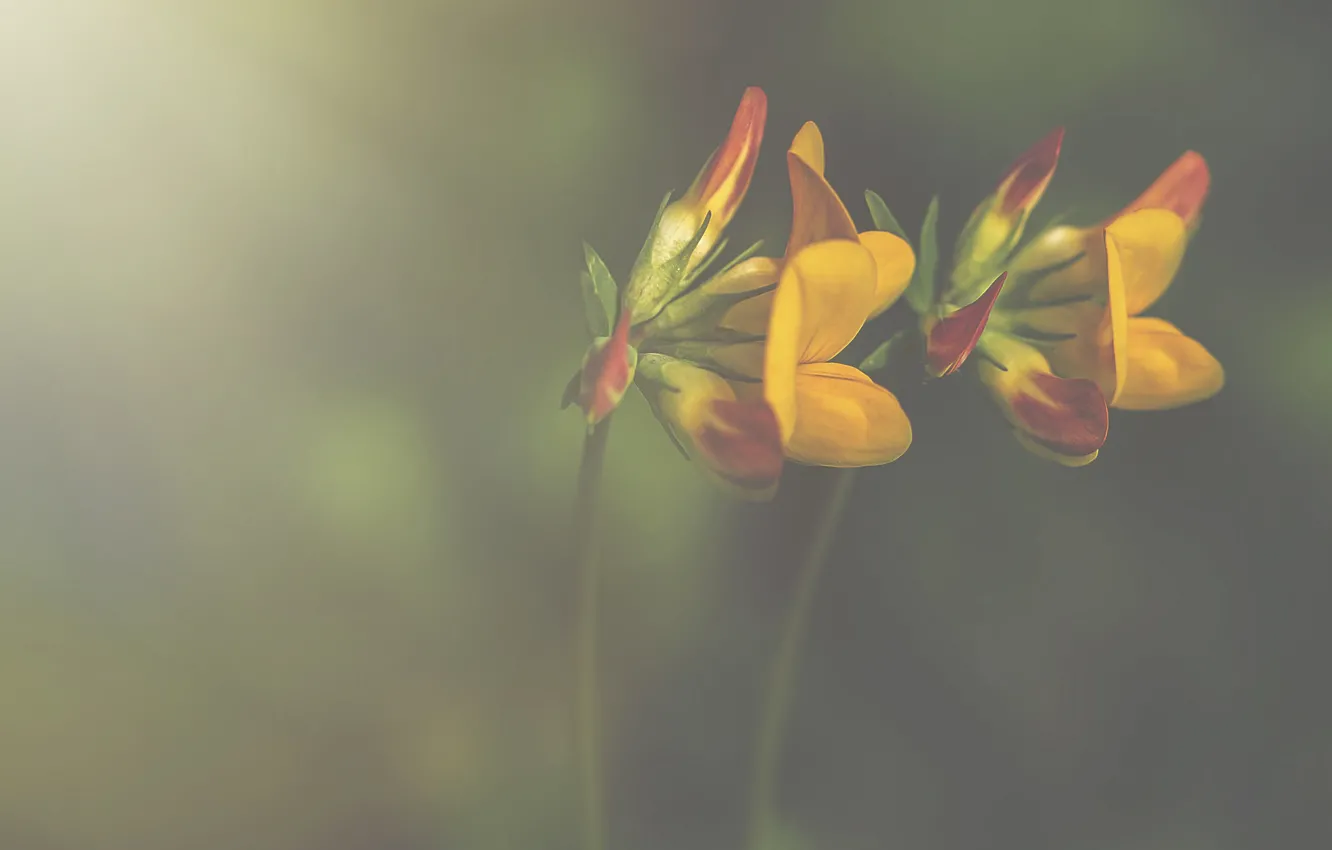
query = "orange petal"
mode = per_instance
[
  {"x": 721, "y": 185},
  {"x": 817, "y": 212},
  {"x": 1181, "y": 188}
]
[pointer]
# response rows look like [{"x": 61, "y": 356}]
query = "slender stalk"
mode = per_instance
[
  {"x": 776, "y": 704},
  {"x": 586, "y": 527}
]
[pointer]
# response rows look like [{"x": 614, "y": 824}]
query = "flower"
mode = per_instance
[
  {"x": 690, "y": 342},
  {"x": 1060, "y": 340},
  {"x": 737, "y": 365},
  {"x": 833, "y": 279}
]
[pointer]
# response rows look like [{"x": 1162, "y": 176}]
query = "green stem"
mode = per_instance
[
  {"x": 777, "y": 701},
  {"x": 586, "y": 535}
]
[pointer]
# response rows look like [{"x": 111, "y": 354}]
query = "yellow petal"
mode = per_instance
[
  {"x": 1151, "y": 245},
  {"x": 751, "y": 315},
  {"x": 817, "y": 213},
  {"x": 821, "y": 302},
  {"x": 1112, "y": 335},
  {"x": 740, "y": 358},
  {"x": 808, "y": 146},
  {"x": 1166, "y": 368},
  {"x": 895, "y": 261},
  {"x": 845, "y": 419},
  {"x": 1059, "y": 264}
]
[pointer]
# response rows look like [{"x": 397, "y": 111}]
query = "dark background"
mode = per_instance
[{"x": 288, "y": 295}]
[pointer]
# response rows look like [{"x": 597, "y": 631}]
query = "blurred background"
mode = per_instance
[{"x": 288, "y": 296}]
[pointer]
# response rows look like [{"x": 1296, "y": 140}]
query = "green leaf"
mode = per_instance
[
  {"x": 883, "y": 217},
  {"x": 920, "y": 293},
  {"x": 598, "y": 322},
  {"x": 598, "y": 294}
]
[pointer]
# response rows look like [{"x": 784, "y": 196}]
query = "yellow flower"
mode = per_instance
[
  {"x": 1096, "y": 282},
  {"x": 833, "y": 280},
  {"x": 738, "y": 366},
  {"x": 1064, "y": 338},
  {"x": 685, "y": 340}
]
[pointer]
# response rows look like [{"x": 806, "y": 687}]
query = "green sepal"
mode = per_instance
[
  {"x": 698, "y": 271},
  {"x": 599, "y": 294},
  {"x": 882, "y": 216},
  {"x": 652, "y": 286},
  {"x": 920, "y": 292},
  {"x": 696, "y": 314},
  {"x": 740, "y": 258},
  {"x": 644, "y": 259}
]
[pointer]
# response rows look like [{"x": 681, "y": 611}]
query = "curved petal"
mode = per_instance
[
  {"x": 755, "y": 274},
  {"x": 808, "y": 146},
  {"x": 1166, "y": 368},
  {"x": 1060, "y": 264},
  {"x": 737, "y": 440},
  {"x": 845, "y": 419},
  {"x": 817, "y": 212},
  {"x": 952, "y": 338},
  {"x": 820, "y": 304},
  {"x": 1151, "y": 246},
  {"x": 1181, "y": 188},
  {"x": 721, "y": 185},
  {"x": 1067, "y": 417},
  {"x": 608, "y": 369},
  {"x": 895, "y": 262}
]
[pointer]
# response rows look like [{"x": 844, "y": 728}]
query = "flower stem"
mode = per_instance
[
  {"x": 777, "y": 700},
  {"x": 586, "y": 526}
]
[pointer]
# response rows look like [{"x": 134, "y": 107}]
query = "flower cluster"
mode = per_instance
[
  {"x": 1059, "y": 337},
  {"x": 739, "y": 364}
]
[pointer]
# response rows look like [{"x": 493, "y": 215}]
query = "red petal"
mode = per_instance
[
  {"x": 1072, "y": 420},
  {"x": 743, "y": 443},
  {"x": 606, "y": 374},
  {"x": 1028, "y": 177},
  {"x": 954, "y": 337}
]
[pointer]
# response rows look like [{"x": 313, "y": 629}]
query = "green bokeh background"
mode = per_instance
[{"x": 288, "y": 295}]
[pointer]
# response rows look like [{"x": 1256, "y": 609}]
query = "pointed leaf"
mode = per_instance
[
  {"x": 882, "y": 216},
  {"x": 599, "y": 294},
  {"x": 594, "y": 312},
  {"x": 920, "y": 292}
]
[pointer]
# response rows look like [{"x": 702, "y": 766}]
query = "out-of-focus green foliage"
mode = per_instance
[{"x": 285, "y": 313}]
